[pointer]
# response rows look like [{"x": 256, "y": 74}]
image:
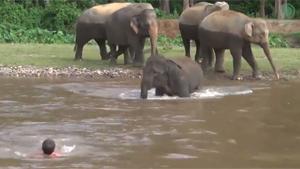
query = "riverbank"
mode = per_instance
[
  {"x": 69, "y": 72},
  {"x": 56, "y": 61},
  {"x": 119, "y": 73}
]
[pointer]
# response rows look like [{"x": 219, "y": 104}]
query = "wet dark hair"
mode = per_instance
[{"x": 48, "y": 146}]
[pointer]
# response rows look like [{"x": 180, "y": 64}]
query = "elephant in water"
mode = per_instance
[
  {"x": 234, "y": 31},
  {"x": 190, "y": 19},
  {"x": 91, "y": 25},
  {"x": 178, "y": 77}
]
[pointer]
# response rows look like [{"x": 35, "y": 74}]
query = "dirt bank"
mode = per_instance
[
  {"x": 120, "y": 73},
  {"x": 169, "y": 27},
  {"x": 69, "y": 72}
]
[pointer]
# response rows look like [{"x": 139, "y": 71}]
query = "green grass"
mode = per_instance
[
  {"x": 285, "y": 59},
  {"x": 62, "y": 55}
]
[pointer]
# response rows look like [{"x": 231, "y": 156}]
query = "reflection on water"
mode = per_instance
[{"x": 105, "y": 125}]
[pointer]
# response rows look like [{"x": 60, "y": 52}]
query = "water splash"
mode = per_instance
[
  {"x": 129, "y": 92},
  {"x": 205, "y": 93},
  {"x": 67, "y": 149}
]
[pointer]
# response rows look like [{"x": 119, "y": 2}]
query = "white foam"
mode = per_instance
[
  {"x": 20, "y": 154},
  {"x": 179, "y": 156},
  {"x": 67, "y": 149},
  {"x": 126, "y": 92},
  {"x": 205, "y": 93}
]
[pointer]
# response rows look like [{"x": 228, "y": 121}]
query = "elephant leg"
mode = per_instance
[
  {"x": 115, "y": 54},
  {"x": 80, "y": 42},
  {"x": 127, "y": 57},
  {"x": 102, "y": 48},
  {"x": 219, "y": 65},
  {"x": 210, "y": 58},
  {"x": 139, "y": 55},
  {"x": 203, "y": 57},
  {"x": 186, "y": 44},
  {"x": 236, "y": 55},
  {"x": 78, "y": 54},
  {"x": 159, "y": 91},
  {"x": 197, "y": 42},
  {"x": 113, "y": 49},
  {"x": 132, "y": 53},
  {"x": 81, "y": 39},
  {"x": 248, "y": 56}
]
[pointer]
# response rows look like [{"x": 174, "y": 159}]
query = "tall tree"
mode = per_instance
[
  {"x": 187, "y": 3},
  {"x": 278, "y": 8},
  {"x": 164, "y": 5},
  {"x": 262, "y": 8}
]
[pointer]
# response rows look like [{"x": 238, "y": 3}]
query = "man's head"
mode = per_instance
[{"x": 48, "y": 146}]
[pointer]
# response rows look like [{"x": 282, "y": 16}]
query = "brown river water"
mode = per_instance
[{"x": 104, "y": 124}]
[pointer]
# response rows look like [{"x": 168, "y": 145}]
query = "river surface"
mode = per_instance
[{"x": 104, "y": 124}]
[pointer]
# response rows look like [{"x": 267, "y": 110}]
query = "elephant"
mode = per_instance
[
  {"x": 179, "y": 77},
  {"x": 189, "y": 21},
  {"x": 91, "y": 25},
  {"x": 234, "y": 31},
  {"x": 129, "y": 27}
]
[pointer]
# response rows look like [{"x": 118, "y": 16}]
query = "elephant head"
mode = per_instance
[
  {"x": 145, "y": 25},
  {"x": 256, "y": 31},
  {"x": 155, "y": 74}
]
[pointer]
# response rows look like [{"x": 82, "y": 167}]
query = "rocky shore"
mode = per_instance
[
  {"x": 69, "y": 72},
  {"x": 117, "y": 73}
]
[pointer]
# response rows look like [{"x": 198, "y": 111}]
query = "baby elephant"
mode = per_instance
[{"x": 178, "y": 77}]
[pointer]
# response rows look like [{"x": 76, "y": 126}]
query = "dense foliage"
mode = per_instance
[{"x": 35, "y": 21}]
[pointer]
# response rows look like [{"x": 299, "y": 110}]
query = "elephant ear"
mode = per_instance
[
  {"x": 249, "y": 29},
  {"x": 134, "y": 24}
]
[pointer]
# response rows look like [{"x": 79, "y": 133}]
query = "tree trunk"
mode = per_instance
[
  {"x": 186, "y": 4},
  {"x": 278, "y": 9},
  {"x": 262, "y": 8},
  {"x": 165, "y": 5},
  {"x": 191, "y": 3}
]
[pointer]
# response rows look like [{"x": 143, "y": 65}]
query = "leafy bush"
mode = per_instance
[
  {"x": 60, "y": 16},
  {"x": 277, "y": 41},
  {"x": 168, "y": 43},
  {"x": 16, "y": 14},
  {"x": 164, "y": 15},
  {"x": 14, "y": 34}
]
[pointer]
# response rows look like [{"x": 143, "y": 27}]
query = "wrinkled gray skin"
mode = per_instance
[
  {"x": 178, "y": 77},
  {"x": 190, "y": 19},
  {"x": 129, "y": 27},
  {"x": 234, "y": 31},
  {"x": 91, "y": 25}
]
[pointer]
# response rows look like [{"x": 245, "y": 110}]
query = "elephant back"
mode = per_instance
[
  {"x": 193, "y": 15},
  {"x": 100, "y": 13},
  {"x": 191, "y": 69},
  {"x": 230, "y": 22}
]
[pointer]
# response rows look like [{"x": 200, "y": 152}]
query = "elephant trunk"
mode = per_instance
[
  {"x": 144, "y": 90},
  {"x": 153, "y": 33},
  {"x": 266, "y": 49}
]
